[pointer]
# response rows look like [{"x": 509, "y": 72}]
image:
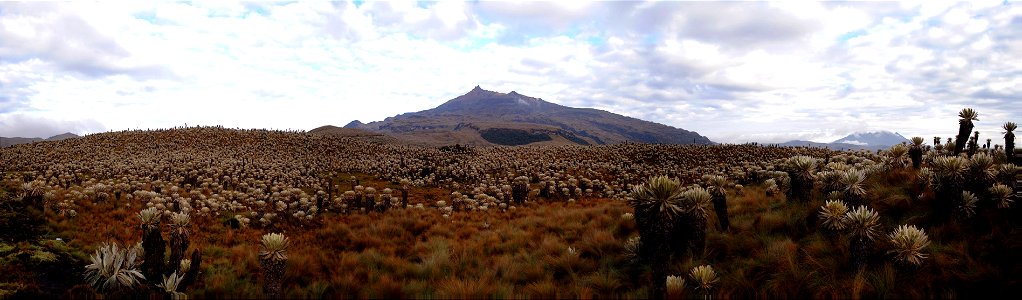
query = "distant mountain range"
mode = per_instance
[
  {"x": 857, "y": 141},
  {"x": 482, "y": 117},
  {"x": 8, "y": 141}
]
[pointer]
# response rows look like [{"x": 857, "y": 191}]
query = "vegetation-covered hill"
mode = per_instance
[{"x": 477, "y": 117}]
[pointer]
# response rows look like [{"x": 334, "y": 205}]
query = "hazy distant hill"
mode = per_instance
[
  {"x": 857, "y": 141},
  {"x": 483, "y": 117},
  {"x": 873, "y": 139},
  {"x": 8, "y": 141}
]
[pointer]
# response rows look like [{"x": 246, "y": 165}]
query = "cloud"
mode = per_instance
[
  {"x": 442, "y": 21},
  {"x": 521, "y": 21},
  {"x": 21, "y": 125},
  {"x": 64, "y": 41},
  {"x": 741, "y": 25},
  {"x": 734, "y": 71}
]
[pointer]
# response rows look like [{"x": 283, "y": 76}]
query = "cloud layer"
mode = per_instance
[{"x": 733, "y": 71}]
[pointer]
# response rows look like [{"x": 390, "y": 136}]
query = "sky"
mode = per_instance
[{"x": 732, "y": 71}]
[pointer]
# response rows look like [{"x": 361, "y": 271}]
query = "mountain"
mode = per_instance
[
  {"x": 874, "y": 139},
  {"x": 8, "y": 141},
  {"x": 482, "y": 117}
]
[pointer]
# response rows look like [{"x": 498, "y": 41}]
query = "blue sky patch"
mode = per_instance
[{"x": 851, "y": 35}]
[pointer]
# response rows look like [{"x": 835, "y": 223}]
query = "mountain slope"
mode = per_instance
[{"x": 482, "y": 117}]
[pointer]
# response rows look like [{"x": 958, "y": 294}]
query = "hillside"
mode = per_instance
[{"x": 482, "y": 117}]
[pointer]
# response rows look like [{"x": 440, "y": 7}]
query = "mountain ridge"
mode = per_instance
[{"x": 10, "y": 141}]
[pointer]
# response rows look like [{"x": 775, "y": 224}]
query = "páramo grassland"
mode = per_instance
[{"x": 211, "y": 212}]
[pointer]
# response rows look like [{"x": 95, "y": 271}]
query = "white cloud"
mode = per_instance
[{"x": 23, "y": 125}]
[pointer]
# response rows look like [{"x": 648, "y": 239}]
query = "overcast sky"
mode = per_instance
[{"x": 732, "y": 71}]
